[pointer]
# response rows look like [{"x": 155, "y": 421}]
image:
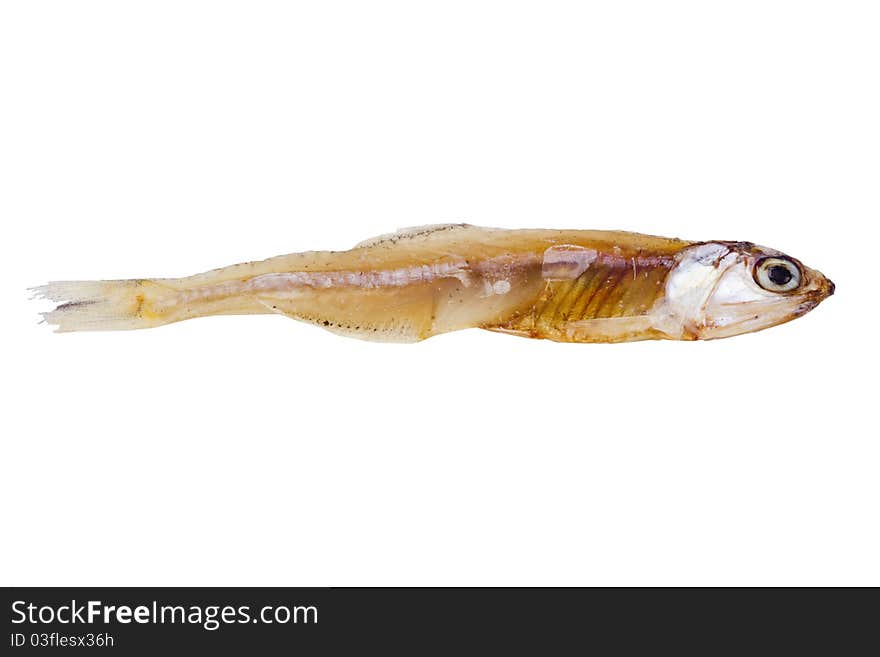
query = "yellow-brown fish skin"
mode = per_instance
[{"x": 563, "y": 285}]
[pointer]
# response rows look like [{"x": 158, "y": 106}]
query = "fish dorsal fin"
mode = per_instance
[{"x": 415, "y": 232}]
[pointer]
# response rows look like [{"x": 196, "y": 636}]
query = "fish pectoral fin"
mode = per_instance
[
  {"x": 566, "y": 262},
  {"x": 414, "y": 232},
  {"x": 611, "y": 329},
  {"x": 603, "y": 329}
]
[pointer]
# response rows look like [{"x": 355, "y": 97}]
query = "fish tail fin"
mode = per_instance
[{"x": 99, "y": 305}]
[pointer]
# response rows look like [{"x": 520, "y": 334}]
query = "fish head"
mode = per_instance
[{"x": 721, "y": 289}]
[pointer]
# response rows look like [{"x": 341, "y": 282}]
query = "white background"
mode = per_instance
[{"x": 166, "y": 138}]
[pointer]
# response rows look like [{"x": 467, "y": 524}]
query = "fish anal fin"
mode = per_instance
[{"x": 380, "y": 315}]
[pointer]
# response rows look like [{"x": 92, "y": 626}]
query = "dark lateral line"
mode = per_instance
[{"x": 70, "y": 305}]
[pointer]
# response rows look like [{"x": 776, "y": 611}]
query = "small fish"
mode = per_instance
[{"x": 563, "y": 285}]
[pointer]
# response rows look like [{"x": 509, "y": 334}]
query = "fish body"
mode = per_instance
[{"x": 563, "y": 285}]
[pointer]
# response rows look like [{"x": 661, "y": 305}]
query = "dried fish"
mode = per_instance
[{"x": 563, "y": 285}]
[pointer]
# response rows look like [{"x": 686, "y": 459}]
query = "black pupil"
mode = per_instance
[{"x": 780, "y": 275}]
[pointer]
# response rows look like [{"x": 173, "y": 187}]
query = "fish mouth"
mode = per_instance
[
  {"x": 813, "y": 299},
  {"x": 817, "y": 296},
  {"x": 759, "y": 318},
  {"x": 806, "y": 307}
]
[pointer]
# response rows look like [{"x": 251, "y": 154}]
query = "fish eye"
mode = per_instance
[{"x": 778, "y": 275}]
